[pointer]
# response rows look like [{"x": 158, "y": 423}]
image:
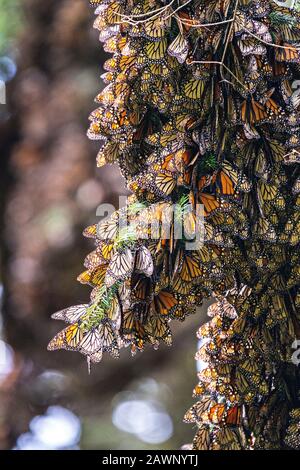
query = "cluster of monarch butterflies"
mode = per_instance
[{"x": 201, "y": 109}]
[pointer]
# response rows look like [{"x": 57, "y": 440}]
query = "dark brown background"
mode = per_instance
[{"x": 50, "y": 189}]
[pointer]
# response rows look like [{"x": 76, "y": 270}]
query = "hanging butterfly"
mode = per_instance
[
  {"x": 179, "y": 48},
  {"x": 69, "y": 338},
  {"x": 91, "y": 343},
  {"x": 229, "y": 180},
  {"x": 120, "y": 267},
  {"x": 156, "y": 50},
  {"x": 202, "y": 438},
  {"x": 163, "y": 303},
  {"x": 253, "y": 112},
  {"x": 108, "y": 337},
  {"x": 71, "y": 314},
  {"x": 94, "y": 277},
  {"x": 143, "y": 262},
  {"x": 194, "y": 89},
  {"x": 158, "y": 329}
]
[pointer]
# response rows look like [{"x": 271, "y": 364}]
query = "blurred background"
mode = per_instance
[{"x": 50, "y": 67}]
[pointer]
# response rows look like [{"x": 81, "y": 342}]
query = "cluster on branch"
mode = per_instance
[{"x": 201, "y": 109}]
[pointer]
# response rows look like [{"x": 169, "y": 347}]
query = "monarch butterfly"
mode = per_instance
[
  {"x": 108, "y": 154},
  {"x": 69, "y": 338},
  {"x": 157, "y": 28},
  {"x": 216, "y": 413},
  {"x": 286, "y": 54},
  {"x": 105, "y": 98},
  {"x": 167, "y": 136},
  {"x": 226, "y": 184},
  {"x": 194, "y": 89},
  {"x": 208, "y": 374},
  {"x": 93, "y": 259},
  {"x": 294, "y": 276},
  {"x": 228, "y": 310},
  {"x": 234, "y": 416},
  {"x": 126, "y": 63},
  {"x": 106, "y": 249},
  {"x": 253, "y": 112},
  {"x": 183, "y": 122},
  {"x": 230, "y": 180},
  {"x": 95, "y": 132},
  {"x": 203, "y": 406},
  {"x": 210, "y": 202},
  {"x": 277, "y": 150},
  {"x": 229, "y": 392},
  {"x": 295, "y": 413},
  {"x": 243, "y": 383},
  {"x": 115, "y": 43},
  {"x": 198, "y": 390},
  {"x": 180, "y": 286},
  {"x": 113, "y": 310},
  {"x": 266, "y": 192},
  {"x": 175, "y": 160},
  {"x": 228, "y": 439},
  {"x": 263, "y": 229},
  {"x": 90, "y": 232},
  {"x": 163, "y": 303},
  {"x": 239, "y": 296},
  {"x": 99, "y": 21},
  {"x": 95, "y": 277},
  {"x": 224, "y": 369},
  {"x": 185, "y": 21},
  {"x": 187, "y": 265},
  {"x": 95, "y": 357},
  {"x": 158, "y": 328},
  {"x": 156, "y": 50},
  {"x": 270, "y": 104},
  {"x": 179, "y": 48},
  {"x": 202, "y": 438},
  {"x": 277, "y": 283},
  {"x": 71, "y": 314},
  {"x": 222, "y": 308},
  {"x": 113, "y": 11},
  {"x": 110, "y": 65},
  {"x": 238, "y": 326},
  {"x": 261, "y": 167},
  {"x": 156, "y": 69},
  {"x": 165, "y": 182},
  {"x": 121, "y": 92},
  {"x": 203, "y": 355},
  {"x": 120, "y": 267},
  {"x": 91, "y": 343},
  {"x": 108, "y": 337},
  {"x": 252, "y": 73},
  {"x": 143, "y": 262},
  {"x": 133, "y": 323},
  {"x": 141, "y": 288},
  {"x": 250, "y": 45},
  {"x": 108, "y": 229},
  {"x": 214, "y": 309},
  {"x": 205, "y": 331}
]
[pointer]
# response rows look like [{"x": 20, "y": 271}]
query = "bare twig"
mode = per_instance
[
  {"x": 216, "y": 62},
  {"x": 155, "y": 14},
  {"x": 266, "y": 42},
  {"x": 228, "y": 38},
  {"x": 192, "y": 24}
]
